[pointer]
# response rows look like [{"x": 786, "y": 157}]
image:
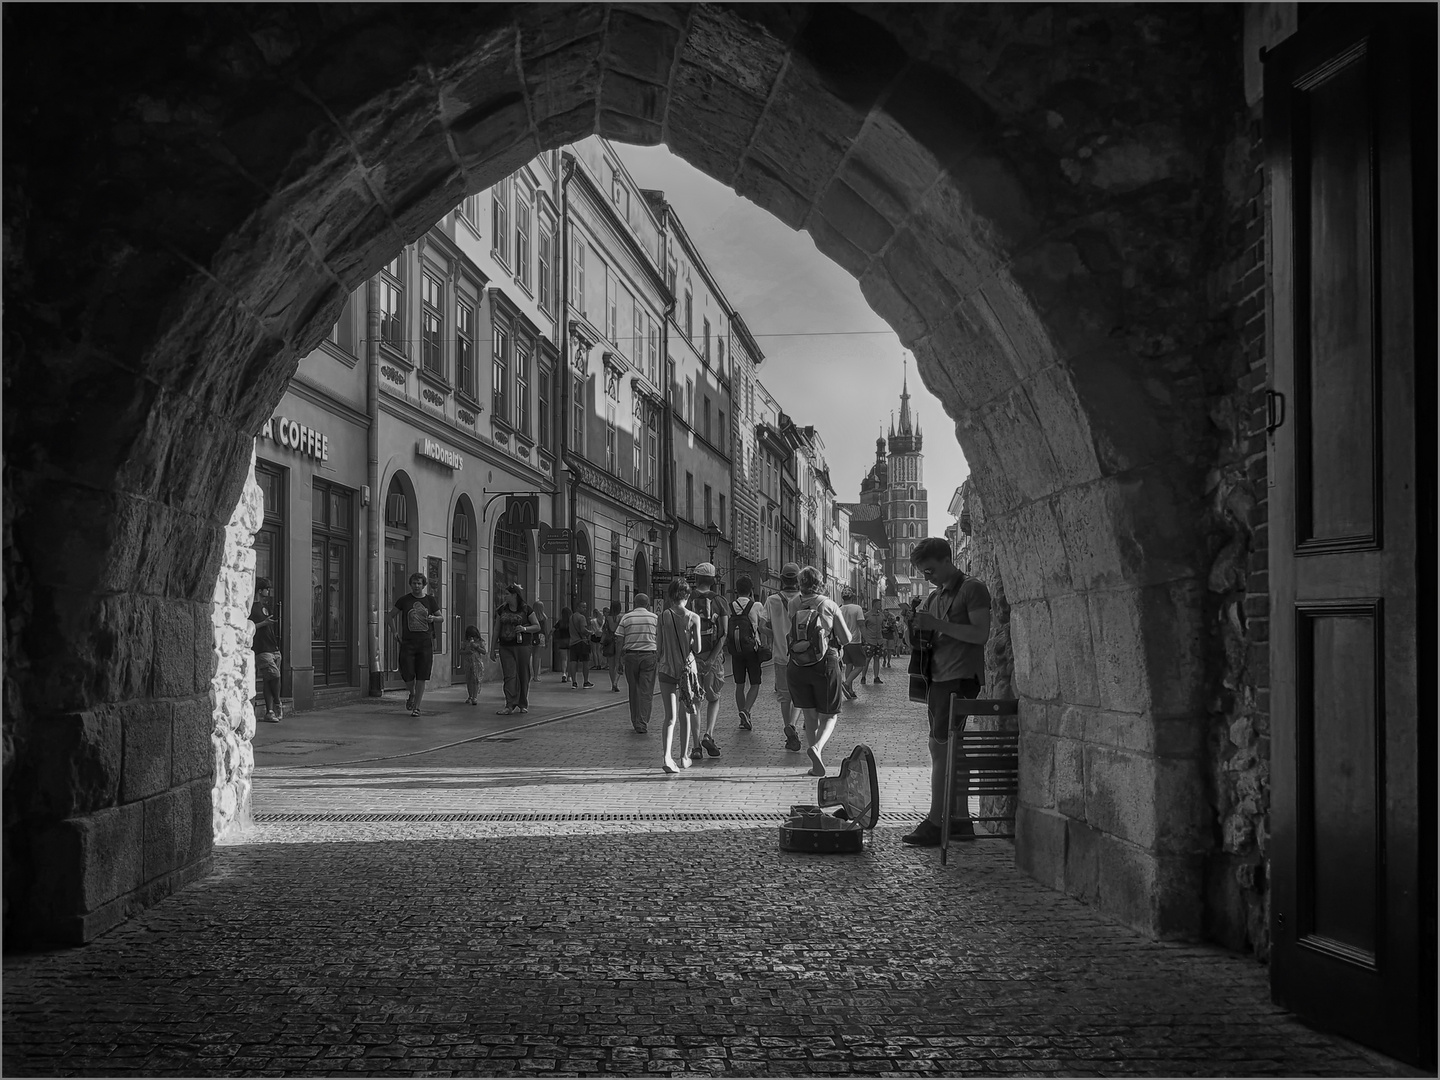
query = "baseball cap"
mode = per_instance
[
  {"x": 705, "y": 569},
  {"x": 790, "y": 572}
]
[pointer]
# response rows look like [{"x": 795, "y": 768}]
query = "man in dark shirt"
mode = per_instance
[
  {"x": 412, "y": 615},
  {"x": 266, "y": 644}
]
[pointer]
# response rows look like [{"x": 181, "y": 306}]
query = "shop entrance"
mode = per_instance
[
  {"x": 462, "y": 600},
  {"x": 398, "y": 542},
  {"x": 270, "y": 560},
  {"x": 332, "y": 613}
]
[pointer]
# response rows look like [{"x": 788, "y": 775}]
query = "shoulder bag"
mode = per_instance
[{"x": 689, "y": 689}]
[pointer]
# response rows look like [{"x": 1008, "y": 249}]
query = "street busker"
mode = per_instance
[
  {"x": 677, "y": 637},
  {"x": 954, "y": 622},
  {"x": 637, "y": 642},
  {"x": 854, "y": 653},
  {"x": 515, "y": 631},
  {"x": 743, "y": 642},
  {"x": 777, "y": 629},
  {"x": 411, "y": 618},
  {"x": 816, "y": 628},
  {"x": 711, "y": 609}
]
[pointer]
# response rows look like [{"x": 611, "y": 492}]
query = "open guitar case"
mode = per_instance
[{"x": 854, "y": 796}]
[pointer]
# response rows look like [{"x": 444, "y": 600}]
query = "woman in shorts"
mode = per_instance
[{"x": 677, "y": 637}]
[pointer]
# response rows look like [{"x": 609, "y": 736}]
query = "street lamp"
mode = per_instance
[{"x": 712, "y": 539}]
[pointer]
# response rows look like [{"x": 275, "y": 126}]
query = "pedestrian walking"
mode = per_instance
[
  {"x": 678, "y": 639},
  {"x": 743, "y": 637},
  {"x": 266, "y": 646},
  {"x": 711, "y": 609},
  {"x": 472, "y": 653},
  {"x": 609, "y": 645},
  {"x": 816, "y": 628},
  {"x": 953, "y": 625},
  {"x": 513, "y": 638},
  {"x": 853, "y": 656},
  {"x": 637, "y": 643},
  {"x": 873, "y": 633},
  {"x": 777, "y": 622},
  {"x": 562, "y": 643},
  {"x": 411, "y": 619},
  {"x": 541, "y": 640},
  {"x": 578, "y": 666},
  {"x": 596, "y": 626}
]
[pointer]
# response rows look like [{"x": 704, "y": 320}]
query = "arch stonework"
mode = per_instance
[{"x": 1029, "y": 195}]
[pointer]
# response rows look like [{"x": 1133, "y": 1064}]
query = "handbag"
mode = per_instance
[{"x": 689, "y": 689}]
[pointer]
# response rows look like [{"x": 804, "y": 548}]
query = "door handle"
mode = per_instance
[{"x": 1274, "y": 410}]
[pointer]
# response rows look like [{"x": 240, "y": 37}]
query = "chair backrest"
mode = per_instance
[{"x": 992, "y": 759}]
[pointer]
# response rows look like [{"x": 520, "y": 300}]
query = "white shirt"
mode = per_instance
[{"x": 777, "y": 617}]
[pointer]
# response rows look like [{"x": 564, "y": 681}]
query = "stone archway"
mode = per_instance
[{"x": 1028, "y": 196}]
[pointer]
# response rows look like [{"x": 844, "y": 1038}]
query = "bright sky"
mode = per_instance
[{"x": 847, "y": 386}]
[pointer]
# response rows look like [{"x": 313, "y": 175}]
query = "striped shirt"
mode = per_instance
[{"x": 637, "y": 630}]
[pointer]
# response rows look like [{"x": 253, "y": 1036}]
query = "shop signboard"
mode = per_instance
[{"x": 555, "y": 541}]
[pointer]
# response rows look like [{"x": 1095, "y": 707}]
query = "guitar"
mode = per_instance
[{"x": 922, "y": 662}]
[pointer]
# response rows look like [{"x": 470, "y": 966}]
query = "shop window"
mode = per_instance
[
  {"x": 392, "y": 303},
  {"x": 432, "y": 324}
]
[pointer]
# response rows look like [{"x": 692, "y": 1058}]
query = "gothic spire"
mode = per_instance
[{"x": 906, "y": 427}]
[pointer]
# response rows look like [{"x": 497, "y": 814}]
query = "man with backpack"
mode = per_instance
[
  {"x": 816, "y": 628},
  {"x": 777, "y": 623},
  {"x": 743, "y": 640},
  {"x": 711, "y": 610}
]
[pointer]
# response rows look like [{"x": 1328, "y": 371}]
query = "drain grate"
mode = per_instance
[{"x": 406, "y": 818}]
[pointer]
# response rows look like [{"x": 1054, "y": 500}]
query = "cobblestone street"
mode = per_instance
[{"x": 665, "y": 934}]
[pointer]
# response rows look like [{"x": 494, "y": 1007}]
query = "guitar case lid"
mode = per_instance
[{"x": 857, "y": 792}]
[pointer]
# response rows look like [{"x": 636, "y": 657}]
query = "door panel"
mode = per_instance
[{"x": 1352, "y": 804}]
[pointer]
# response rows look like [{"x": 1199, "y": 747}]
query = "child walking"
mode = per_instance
[{"x": 473, "y": 653}]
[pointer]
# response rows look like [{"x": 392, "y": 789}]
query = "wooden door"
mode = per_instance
[{"x": 1350, "y": 157}]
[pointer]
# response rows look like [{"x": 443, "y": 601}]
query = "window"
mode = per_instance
[
  {"x": 577, "y": 276},
  {"x": 470, "y": 210},
  {"x": 689, "y": 316},
  {"x": 612, "y": 308},
  {"x": 500, "y": 221},
  {"x": 632, "y": 339},
  {"x": 432, "y": 324},
  {"x": 652, "y": 445},
  {"x": 543, "y": 391},
  {"x": 465, "y": 347},
  {"x": 724, "y": 521},
  {"x": 611, "y": 464},
  {"x": 392, "y": 303},
  {"x": 578, "y": 416},
  {"x": 522, "y": 236},
  {"x": 690, "y": 496},
  {"x": 654, "y": 342},
  {"x": 720, "y": 430},
  {"x": 544, "y": 277},
  {"x": 499, "y": 373},
  {"x": 637, "y": 442},
  {"x": 708, "y": 516},
  {"x": 705, "y": 354},
  {"x": 707, "y": 418},
  {"x": 689, "y": 401},
  {"x": 720, "y": 356},
  {"x": 522, "y": 389}
]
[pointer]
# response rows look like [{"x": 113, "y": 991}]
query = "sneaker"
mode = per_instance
[
  {"x": 279, "y": 715},
  {"x": 614, "y": 689},
  {"x": 506, "y": 711},
  {"x": 588, "y": 685},
  {"x": 576, "y": 685},
  {"x": 270, "y": 718},
  {"x": 710, "y": 748},
  {"x": 745, "y": 722},
  {"x": 848, "y": 692},
  {"x": 697, "y": 754},
  {"x": 926, "y": 834},
  {"x": 524, "y": 708},
  {"x": 414, "y": 712},
  {"x": 792, "y": 738},
  {"x": 410, "y": 702},
  {"x": 878, "y": 681}
]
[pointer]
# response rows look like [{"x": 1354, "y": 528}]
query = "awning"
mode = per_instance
[{"x": 901, "y": 579}]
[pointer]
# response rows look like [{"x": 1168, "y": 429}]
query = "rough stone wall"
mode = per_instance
[{"x": 233, "y": 685}]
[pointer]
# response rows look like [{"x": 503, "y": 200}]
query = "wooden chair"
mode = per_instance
[{"x": 992, "y": 759}]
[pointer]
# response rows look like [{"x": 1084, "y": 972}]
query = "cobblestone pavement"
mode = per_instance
[{"x": 646, "y": 944}]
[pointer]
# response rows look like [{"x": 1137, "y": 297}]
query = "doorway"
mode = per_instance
[
  {"x": 462, "y": 599},
  {"x": 399, "y": 558}
]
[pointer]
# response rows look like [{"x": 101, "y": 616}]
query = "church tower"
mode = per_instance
[{"x": 907, "y": 506}]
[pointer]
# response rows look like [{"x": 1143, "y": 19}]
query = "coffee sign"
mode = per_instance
[{"x": 294, "y": 435}]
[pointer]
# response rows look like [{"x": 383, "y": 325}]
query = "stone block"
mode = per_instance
[
  {"x": 1125, "y": 423},
  {"x": 1033, "y": 641},
  {"x": 1162, "y": 896},
  {"x": 1174, "y": 635},
  {"x": 1083, "y": 872},
  {"x": 167, "y": 831},
  {"x": 862, "y": 225},
  {"x": 1013, "y": 424},
  {"x": 1069, "y": 773},
  {"x": 1037, "y": 769},
  {"x": 640, "y": 46},
  {"x": 1120, "y": 666},
  {"x": 916, "y": 269},
  {"x": 84, "y": 862},
  {"x": 1040, "y": 841},
  {"x": 1074, "y": 652},
  {"x": 763, "y": 185},
  {"x": 172, "y": 672},
  {"x": 192, "y": 726},
  {"x": 717, "y": 42},
  {"x": 147, "y": 730},
  {"x": 1120, "y": 794},
  {"x": 710, "y": 121},
  {"x": 123, "y": 643},
  {"x": 1067, "y": 428},
  {"x": 75, "y": 760},
  {"x": 888, "y": 302},
  {"x": 836, "y": 247},
  {"x": 1034, "y": 533},
  {"x": 976, "y": 357}
]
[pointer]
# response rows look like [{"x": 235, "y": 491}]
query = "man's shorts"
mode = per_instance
[
  {"x": 855, "y": 654},
  {"x": 712, "y": 678},
  {"x": 416, "y": 661},
  {"x": 782, "y": 681},
  {"x": 937, "y": 703},
  {"x": 746, "y": 667},
  {"x": 580, "y": 650},
  {"x": 267, "y": 664},
  {"x": 817, "y": 686}
]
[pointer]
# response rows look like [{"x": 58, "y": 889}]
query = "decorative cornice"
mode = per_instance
[{"x": 612, "y": 486}]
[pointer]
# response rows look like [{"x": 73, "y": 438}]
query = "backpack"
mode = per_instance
[
  {"x": 708, "y": 621},
  {"x": 811, "y": 628},
  {"x": 741, "y": 635}
]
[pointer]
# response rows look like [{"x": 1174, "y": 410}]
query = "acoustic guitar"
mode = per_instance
[{"x": 922, "y": 662}]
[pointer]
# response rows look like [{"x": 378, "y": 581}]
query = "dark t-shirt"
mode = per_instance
[
  {"x": 508, "y": 625},
  {"x": 415, "y": 612},
  {"x": 266, "y": 640},
  {"x": 711, "y": 610}
]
